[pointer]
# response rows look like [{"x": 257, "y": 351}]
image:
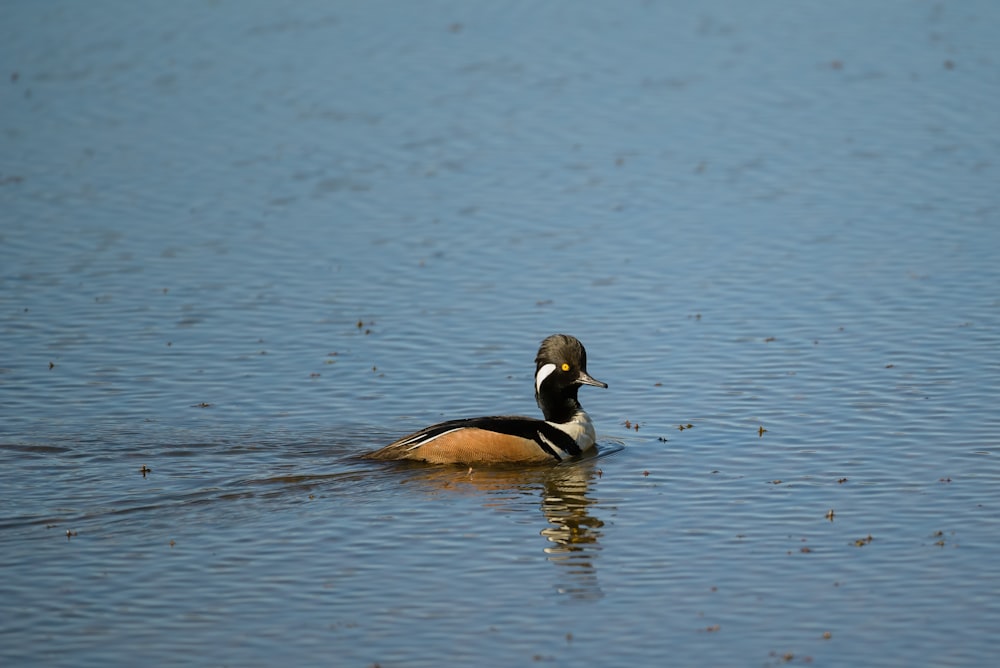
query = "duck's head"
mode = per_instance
[{"x": 560, "y": 370}]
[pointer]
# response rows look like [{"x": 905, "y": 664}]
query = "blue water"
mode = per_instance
[{"x": 243, "y": 243}]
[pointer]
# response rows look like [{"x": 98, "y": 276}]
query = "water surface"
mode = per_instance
[{"x": 240, "y": 245}]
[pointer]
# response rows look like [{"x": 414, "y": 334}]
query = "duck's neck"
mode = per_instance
[{"x": 561, "y": 407}]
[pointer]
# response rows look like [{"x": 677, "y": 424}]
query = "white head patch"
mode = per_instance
[{"x": 544, "y": 372}]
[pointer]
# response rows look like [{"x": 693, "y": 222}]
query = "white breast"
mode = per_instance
[{"x": 580, "y": 429}]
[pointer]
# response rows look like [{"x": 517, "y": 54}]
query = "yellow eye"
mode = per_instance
[{"x": 565, "y": 367}]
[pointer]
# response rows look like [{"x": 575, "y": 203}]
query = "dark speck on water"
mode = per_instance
[{"x": 750, "y": 216}]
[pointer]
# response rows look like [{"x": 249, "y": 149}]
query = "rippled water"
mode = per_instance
[{"x": 241, "y": 244}]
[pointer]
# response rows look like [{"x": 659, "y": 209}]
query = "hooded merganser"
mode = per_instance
[{"x": 566, "y": 431}]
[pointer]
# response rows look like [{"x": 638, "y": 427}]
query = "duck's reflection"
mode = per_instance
[{"x": 572, "y": 532}]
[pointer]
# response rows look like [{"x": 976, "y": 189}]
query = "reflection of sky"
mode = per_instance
[
  {"x": 749, "y": 215},
  {"x": 665, "y": 149}
]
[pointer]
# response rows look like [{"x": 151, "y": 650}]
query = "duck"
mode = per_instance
[{"x": 565, "y": 432}]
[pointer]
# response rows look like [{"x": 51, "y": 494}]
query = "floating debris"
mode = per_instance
[{"x": 861, "y": 542}]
